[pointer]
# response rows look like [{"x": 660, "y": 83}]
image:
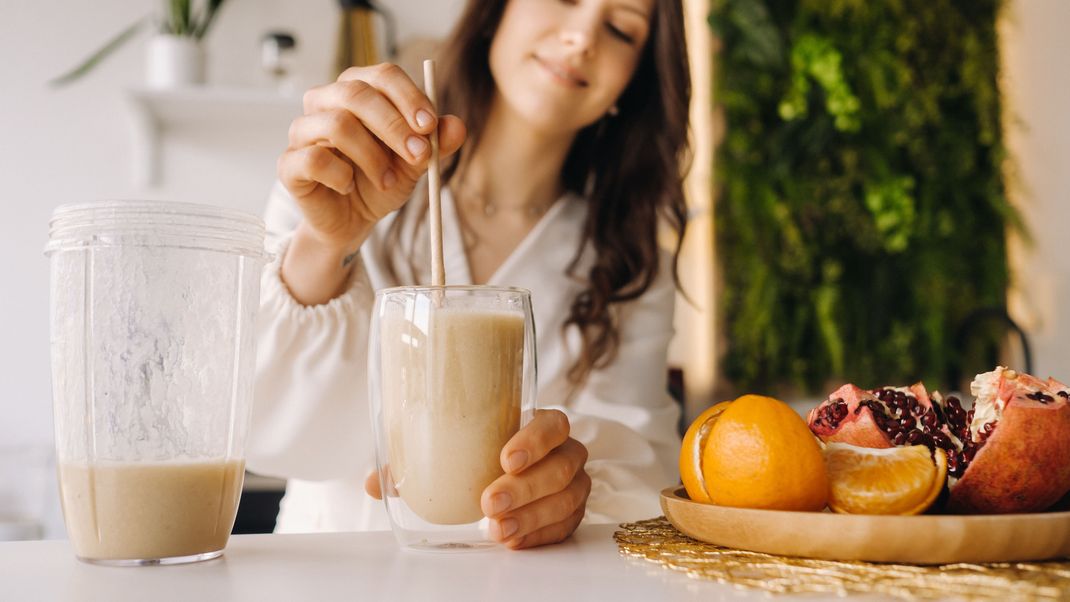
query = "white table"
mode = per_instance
[{"x": 358, "y": 567}]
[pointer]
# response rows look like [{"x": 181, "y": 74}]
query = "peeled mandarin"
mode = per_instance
[{"x": 761, "y": 454}]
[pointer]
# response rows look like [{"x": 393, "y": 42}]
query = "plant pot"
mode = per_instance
[{"x": 174, "y": 62}]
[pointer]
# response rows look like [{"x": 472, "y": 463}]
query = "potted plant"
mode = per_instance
[{"x": 175, "y": 56}]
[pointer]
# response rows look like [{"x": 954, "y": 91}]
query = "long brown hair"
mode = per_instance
[{"x": 629, "y": 166}]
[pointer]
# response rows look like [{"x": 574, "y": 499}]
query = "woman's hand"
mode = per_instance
[
  {"x": 542, "y": 496},
  {"x": 354, "y": 157}
]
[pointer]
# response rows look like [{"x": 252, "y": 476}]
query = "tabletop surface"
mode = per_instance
[{"x": 360, "y": 566}]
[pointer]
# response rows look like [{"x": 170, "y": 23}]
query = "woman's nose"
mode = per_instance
[{"x": 579, "y": 37}]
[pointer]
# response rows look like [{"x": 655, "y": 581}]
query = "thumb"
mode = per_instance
[
  {"x": 451, "y": 134},
  {"x": 371, "y": 485}
]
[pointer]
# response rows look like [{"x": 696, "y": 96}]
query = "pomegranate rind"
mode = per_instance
[
  {"x": 918, "y": 389},
  {"x": 858, "y": 428},
  {"x": 1023, "y": 467}
]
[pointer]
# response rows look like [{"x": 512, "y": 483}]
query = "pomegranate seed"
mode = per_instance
[
  {"x": 956, "y": 416},
  {"x": 1039, "y": 396},
  {"x": 955, "y": 466},
  {"x": 839, "y": 411},
  {"x": 900, "y": 438},
  {"x": 942, "y": 441}
]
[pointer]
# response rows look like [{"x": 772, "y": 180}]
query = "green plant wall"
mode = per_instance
[{"x": 861, "y": 213}]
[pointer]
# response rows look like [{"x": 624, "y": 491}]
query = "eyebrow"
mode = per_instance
[{"x": 626, "y": 6}]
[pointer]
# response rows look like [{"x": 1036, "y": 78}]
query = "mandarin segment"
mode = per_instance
[{"x": 899, "y": 480}]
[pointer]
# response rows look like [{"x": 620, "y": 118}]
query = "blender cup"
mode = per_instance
[{"x": 152, "y": 343}]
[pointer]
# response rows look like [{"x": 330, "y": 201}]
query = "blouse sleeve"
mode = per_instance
[
  {"x": 310, "y": 415},
  {"x": 625, "y": 417}
]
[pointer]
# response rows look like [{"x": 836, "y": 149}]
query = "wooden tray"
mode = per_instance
[{"x": 927, "y": 539}]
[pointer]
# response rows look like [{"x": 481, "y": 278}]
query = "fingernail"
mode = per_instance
[
  {"x": 423, "y": 118},
  {"x": 507, "y": 527},
  {"x": 517, "y": 460},
  {"x": 416, "y": 145},
  {"x": 352, "y": 186},
  {"x": 500, "y": 503},
  {"x": 389, "y": 179}
]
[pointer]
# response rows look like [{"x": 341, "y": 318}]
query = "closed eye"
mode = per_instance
[{"x": 619, "y": 34}]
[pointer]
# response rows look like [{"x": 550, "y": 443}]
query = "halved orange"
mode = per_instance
[
  {"x": 691, "y": 452},
  {"x": 897, "y": 480}
]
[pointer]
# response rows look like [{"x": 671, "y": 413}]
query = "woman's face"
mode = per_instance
[{"x": 561, "y": 64}]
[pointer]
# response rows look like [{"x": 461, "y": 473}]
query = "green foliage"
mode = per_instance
[
  {"x": 862, "y": 214},
  {"x": 181, "y": 18}
]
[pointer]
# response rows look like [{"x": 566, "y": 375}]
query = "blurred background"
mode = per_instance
[{"x": 878, "y": 194}]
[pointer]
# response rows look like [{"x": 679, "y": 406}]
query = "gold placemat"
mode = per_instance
[{"x": 658, "y": 541}]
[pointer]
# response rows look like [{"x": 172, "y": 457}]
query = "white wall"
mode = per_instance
[
  {"x": 1036, "y": 86},
  {"x": 74, "y": 144}
]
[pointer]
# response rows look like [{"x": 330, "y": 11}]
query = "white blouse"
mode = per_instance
[{"x": 311, "y": 423}]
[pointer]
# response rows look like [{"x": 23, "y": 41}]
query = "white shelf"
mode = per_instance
[{"x": 156, "y": 112}]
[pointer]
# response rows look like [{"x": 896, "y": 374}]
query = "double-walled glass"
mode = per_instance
[
  {"x": 452, "y": 378},
  {"x": 152, "y": 338}
]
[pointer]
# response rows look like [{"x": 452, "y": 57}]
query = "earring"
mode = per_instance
[{"x": 614, "y": 111}]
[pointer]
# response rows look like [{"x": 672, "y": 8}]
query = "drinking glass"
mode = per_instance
[{"x": 451, "y": 379}]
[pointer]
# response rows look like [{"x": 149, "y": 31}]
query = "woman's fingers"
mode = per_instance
[
  {"x": 376, "y": 112},
  {"x": 302, "y": 170},
  {"x": 342, "y": 130},
  {"x": 396, "y": 85},
  {"x": 371, "y": 485},
  {"x": 548, "y": 476},
  {"x": 549, "y": 534},
  {"x": 549, "y": 510},
  {"x": 547, "y": 430}
]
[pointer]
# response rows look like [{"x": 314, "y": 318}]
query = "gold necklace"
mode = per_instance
[{"x": 490, "y": 208}]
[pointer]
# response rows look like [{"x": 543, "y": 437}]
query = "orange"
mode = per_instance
[
  {"x": 691, "y": 452},
  {"x": 897, "y": 480},
  {"x": 757, "y": 453}
]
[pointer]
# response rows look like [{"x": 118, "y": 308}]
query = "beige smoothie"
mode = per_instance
[
  {"x": 451, "y": 400},
  {"x": 125, "y": 511}
]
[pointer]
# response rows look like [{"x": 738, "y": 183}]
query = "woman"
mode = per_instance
[{"x": 573, "y": 118}]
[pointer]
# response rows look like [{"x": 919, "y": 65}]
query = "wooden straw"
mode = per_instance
[{"x": 434, "y": 186}]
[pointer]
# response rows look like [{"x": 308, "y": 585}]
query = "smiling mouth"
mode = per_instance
[{"x": 561, "y": 74}]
